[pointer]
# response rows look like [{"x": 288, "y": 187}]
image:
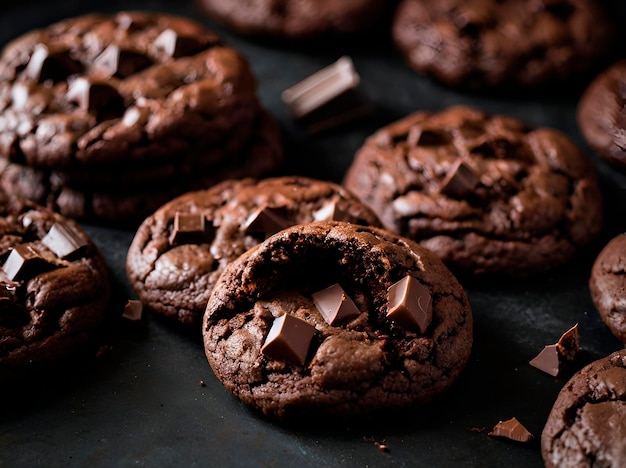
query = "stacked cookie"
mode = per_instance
[{"x": 108, "y": 117}]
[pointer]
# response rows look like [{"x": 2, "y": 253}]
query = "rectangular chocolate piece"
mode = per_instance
[
  {"x": 63, "y": 240},
  {"x": 190, "y": 228},
  {"x": 460, "y": 181},
  {"x": 335, "y": 305},
  {"x": 410, "y": 304},
  {"x": 26, "y": 261},
  {"x": 289, "y": 339},
  {"x": 267, "y": 220}
]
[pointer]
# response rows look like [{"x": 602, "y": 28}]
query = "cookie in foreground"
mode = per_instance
[
  {"x": 337, "y": 319},
  {"x": 487, "y": 193},
  {"x": 54, "y": 290},
  {"x": 587, "y": 424}
]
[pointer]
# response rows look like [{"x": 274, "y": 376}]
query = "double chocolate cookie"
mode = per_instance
[
  {"x": 487, "y": 193},
  {"x": 337, "y": 319},
  {"x": 601, "y": 114},
  {"x": 54, "y": 289},
  {"x": 488, "y": 43},
  {"x": 106, "y": 117},
  {"x": 295, "y": 19},
  {"x": 608, "y": 286},
  {"x": 179, "y": 252},
  {"x": 587, "y": 425}
]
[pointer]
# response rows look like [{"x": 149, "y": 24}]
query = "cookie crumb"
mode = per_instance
[
  {"x": 202, "y": 384},
  {"x": 381, "y": 446}
]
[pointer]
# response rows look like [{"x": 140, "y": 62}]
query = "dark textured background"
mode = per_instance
[{"x": 141, "y": 402}]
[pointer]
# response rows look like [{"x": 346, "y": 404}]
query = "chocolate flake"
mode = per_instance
[
  {"x": 460, "y": 181},
  {"x": 26, "y": 261},
  {"x": 114, "y": 61},
  {"x": 289, "y": 339},
  {"x": 511, "y": 429},
  {"x": 331, "y": 211},
  {"x": 555, "y": 357},
  {"x": 133, "y": 310},
  {"x": 63, "y": 240},
  {"x": 335, "y": 305},
  {"x": 190, "y": 228},
  {"x": 45, "y": 64},
  {"x": 409, "y": 304},
  {"x": 267, "y": 220}
]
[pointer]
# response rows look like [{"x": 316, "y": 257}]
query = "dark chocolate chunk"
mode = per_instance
[
  {"x": 26, "y": 261},
  {"x": 94, "y": 96},
  {"x": 133, "y": 310},
  {"x": 410, "y": 304},
  {"x": 332, "y": 212},
  {"x": 511, "y": 429},
  {"x": 460, "y": 181},
  {"x": 190, "y": 228},
  {"x": 267, "y": 220},
  {"x": 554, "y": 358},
  {"x": 63, "y": 240},
  {"x": 45, "y": 64},
  {"x": 289, "y": 339},
  {"x": 335, "y": 305},
  {"x": 431, "y": 137},
  {"x": 114, "y": 61},
  {"x": 175, "y": 45}
]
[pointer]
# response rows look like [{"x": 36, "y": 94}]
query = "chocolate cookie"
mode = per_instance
[
  {"x": 487, "y": 193},
  {"x": 54, "y": 289},
  {"x": 296, "y": 19},
  {"x": 587, "y": 425},
  {"x": 332, "y": 318},
  {"x": 179, "y": 252},
  {"x": 487, "y": 43},
  {"x": 602, "y": 114},
  {"x": 153, "y": 96},
  {"x": 608, "y": 285}
]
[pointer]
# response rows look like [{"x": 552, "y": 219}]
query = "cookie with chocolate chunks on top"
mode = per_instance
[
  {"x": 54, "y": 290},
  {"x": 180, "y": 250},
  {"x": 487, "y": 193},
  {"x": 306, "y": 324}
]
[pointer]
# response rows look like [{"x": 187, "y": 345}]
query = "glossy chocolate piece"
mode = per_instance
[
  {"x": 331, "y": 211},
  {"x": 554, "y": 358},
  {"x": 190, "y": 228},
  {"x": 267, "y": 221},
  {"x": 460, "y": 181},
  {"x": 176, "y": 45},
  {"x": 511, "y": 429},
  {"x": 133, "y": 310},
  {"x": 410, "y": 304},
  {"x": 26, "y": 261},
  {"x": 63, "y": 240},
  {"x": 335, "y": 305},
  {"x": 46, "y": 64},
  {"x": 114, "y": 61},
  {"x": 94, "y": 96},
  {"x": 288, "y": 340}
]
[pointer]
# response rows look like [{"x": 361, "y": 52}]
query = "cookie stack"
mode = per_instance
[{"x": 108, "y": 117}]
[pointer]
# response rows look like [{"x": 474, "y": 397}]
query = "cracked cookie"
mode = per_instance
[{"x": 337, "y": 319}]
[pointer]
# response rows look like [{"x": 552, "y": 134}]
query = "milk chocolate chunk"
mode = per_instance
[
  {"x": 335, "y": 305},
  {"x": 63, "y": 240},
  {"x": 553, "y": 359},
  {"x": 331, "y": 211},
  {"x": 45, "y": 64},
  {"x": 176, "y": 45},
  {"x": 288, "y": 340},
  {"x": 460, "y": 181},
  {"x": 511, "y": 429},
  {"x": 267, "y": 220},
  {"x": 26, "y": 261},
  {"x": 190, "y": 228},
  {"x": 409, "y": 304},
  {"x": 114, "y": 61},
  {"x": 94, "y": 96}
]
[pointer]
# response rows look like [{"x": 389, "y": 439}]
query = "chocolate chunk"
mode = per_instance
[
  {"x": 409, "y": 304},
  {"x": 94, "y": 96},
  {"x": 267, "y": 221},
  {"x": 45, "y": 64},
  {"x": 553, "y": 359},
  {"x": 133, "y": 311},
  {"x": 335, "y": 305},
  {"x": 289, "y": 339},
  {"x": 332, "y": 212},
  {"x": 511, "y": 429},
  {"x": 114, "y": 61},
  {"x": 63, "y": 240},
  {"x": 175, "y": 45},
  {"x": 433, "y": 138},
  {"x": 327, "y": 98},
  {"x": 7, "y": 292},
  {"x": 460, "y": 181},
  {"x": 190, "y": 228},
  {"x": 26, "y": 261}
]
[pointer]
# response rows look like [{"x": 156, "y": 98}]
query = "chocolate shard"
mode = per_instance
[
  {"x": 174, "y": 45},
  {"x": 327, "y": 98},
  {"x": 190, "y": 228},
  {"x": 554, "y": 358},
  {"x": 335, "y": 305},
  {"x": 331, "y": 211},
  {"x": 460, "y": 181},
  {"x": 133, "y": 311},
  {"x": 26, "y": 261},
  {"x": 409, "y": 304},
  {"x": 114, "y": 61},
  {"x": 45, "y": 64},
  {"x": 63, "y": 240},
  {"x": 511, "y": 429},
  {"x": 289, "y": 340},
  {"x": 94, "y": 96},
  {"x": 267, "y": 221}
]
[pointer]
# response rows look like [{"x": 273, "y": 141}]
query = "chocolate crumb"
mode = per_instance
[
  {"x": 555, "y": 357},
  {"x": 202, "y": 384},
  {"x": 511, "y": 429}
]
